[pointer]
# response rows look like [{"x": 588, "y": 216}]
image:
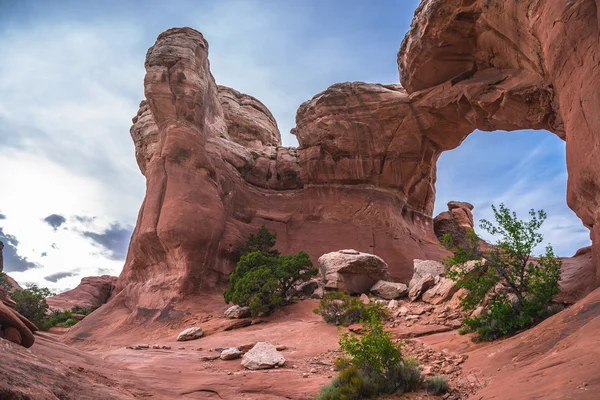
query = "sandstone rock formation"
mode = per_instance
[
  {"x": 454, "y": 222},
  {"x": 14, "y": 327},
  {"x": 364, "y": 172},
  {"x": 91, "y": 293},
  {"x": 425, "y": 267},
  {"x": 220, "y": 150},
  {"x": 351, "y": 271}
]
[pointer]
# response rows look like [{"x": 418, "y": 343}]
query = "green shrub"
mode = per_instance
[
  {"x": 263, "y": 241},
  {"x": 31, "y": 303},
  {"x": 64, "y": 319},
  {"x": 514, "y": 290},
  {"x": 436, "y": 385},
  {"x": 341, "y": 309},
  {"x": 263, "y": 278},
  {"x": 374, "y": 367}
]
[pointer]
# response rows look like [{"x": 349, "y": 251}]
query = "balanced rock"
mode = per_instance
[
  {"x": 263, "y": 356},
  {"x": 237, "y": 312},
  {"x": 230, "y": 354},
  {"x": 190, "y": 334},
  {"x": 441, "y": 291},
  {"x": 389, "y": 290},
  {"x": 421, "y": 286},
  {"x": 352, "y": 271},
  {"x": 424, "y": 267}
]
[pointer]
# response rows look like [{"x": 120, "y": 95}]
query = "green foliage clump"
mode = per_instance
[
  {"x": 341, "y": 309},
  {"x": 514, "y": 290},
  {"x": 374, "y": 367},
  {"x": 31, "y": 303},
  {"x": 436, "y": 385},
  {"x": 263, "y": 278},
  {"x": 64, "y": 319},
  {"x": 263, "y": 241}
]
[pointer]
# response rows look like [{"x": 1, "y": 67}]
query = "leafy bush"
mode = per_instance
[
  {"x": 263, "y": 278},
  {"x": 64, "y": 319},
  {"x": 514, "y": 290},
  {"x": 436, "y": 385},
  {"x": 31, "y": 303},
  {"x": 341, "y": 309},
  {"x": 375, "y": 367}
]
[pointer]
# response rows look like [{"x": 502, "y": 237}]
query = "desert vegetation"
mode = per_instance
[
  {"x": 372, "y": 365},
  {"x": 508, "y": 290},
  {"x": 339, "y": 308},
  {"x": 263, "y": 278},
  {"x": 31, "y": 303}
]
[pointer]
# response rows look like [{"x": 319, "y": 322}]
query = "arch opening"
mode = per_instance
[{"x": 523, "y": 169}]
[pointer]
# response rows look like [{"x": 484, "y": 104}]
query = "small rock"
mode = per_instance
[
  {"x": 155, "y": 346},
  {"x": 305, "y": 375},
  {"x": 313, "y": 371},
  {"x": 235, "y": 312},
  {"x": 308, "y": 288},
  {"x": 210, "y": 358},
  {"x": 318, "y": 293},
  {"x": 421, "y": 286},
  {"x": 246, "y": 347},
  {"x": 392, "y": 304},
  {"x": 229, "y": 372},
  {"x": 165, "y": 347},
  {"x": 403, "y": 311},
  {"x": 281, "y": 347},
  {"x": 230, "y": 354},
  {"x": 364, "y": 299},
  {"x": 190, "y": 334},
  {"x": 349, "y": 251}
]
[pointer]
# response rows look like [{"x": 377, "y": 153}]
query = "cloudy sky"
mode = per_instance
[{"x": 71, "y": 79}]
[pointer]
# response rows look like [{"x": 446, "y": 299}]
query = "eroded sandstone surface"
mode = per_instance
[{"x": 91, "y": 293}]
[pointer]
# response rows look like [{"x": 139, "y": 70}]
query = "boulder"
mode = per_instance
[
  {"x": 237, "y": 312},
  {"x": 424, "y": 267},
  {"x": 393, "y": 304},
  {"x": 190, "y": 334},
  {"x": 351, "y": 271},
  {"x": 262, "y": 356},
  {"x": 440, "y": 292},
  {"x": 389, "y": 290},
  {"x": 421, "y": 286},
  {"x": 308, "y": 288},
  {"x": 230, "y": 354}
]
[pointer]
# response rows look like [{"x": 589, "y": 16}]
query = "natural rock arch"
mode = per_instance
[{"x": 363, "y": 175}]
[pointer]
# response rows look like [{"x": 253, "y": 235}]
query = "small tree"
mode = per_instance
[
  {"x": 514, "y": 289},
  {"x": 263, "y": 241},
  {"x": 31, "y": 303},
  {"x": 263, "y": 278},
  {"x": 373, "y": 366}
]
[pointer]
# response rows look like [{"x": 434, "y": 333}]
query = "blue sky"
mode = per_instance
[{"x": 72, "y": 77}]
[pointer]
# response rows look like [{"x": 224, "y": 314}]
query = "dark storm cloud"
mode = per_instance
[
  {"x": 12, "y": 261},
  {"x": 114, "y": 239},
  {"x": 2, "y": 216},
  {"x": 44, "y": 254},
  {"x": 55, "y": 220},
  {"x": 58, "y": 276}
]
